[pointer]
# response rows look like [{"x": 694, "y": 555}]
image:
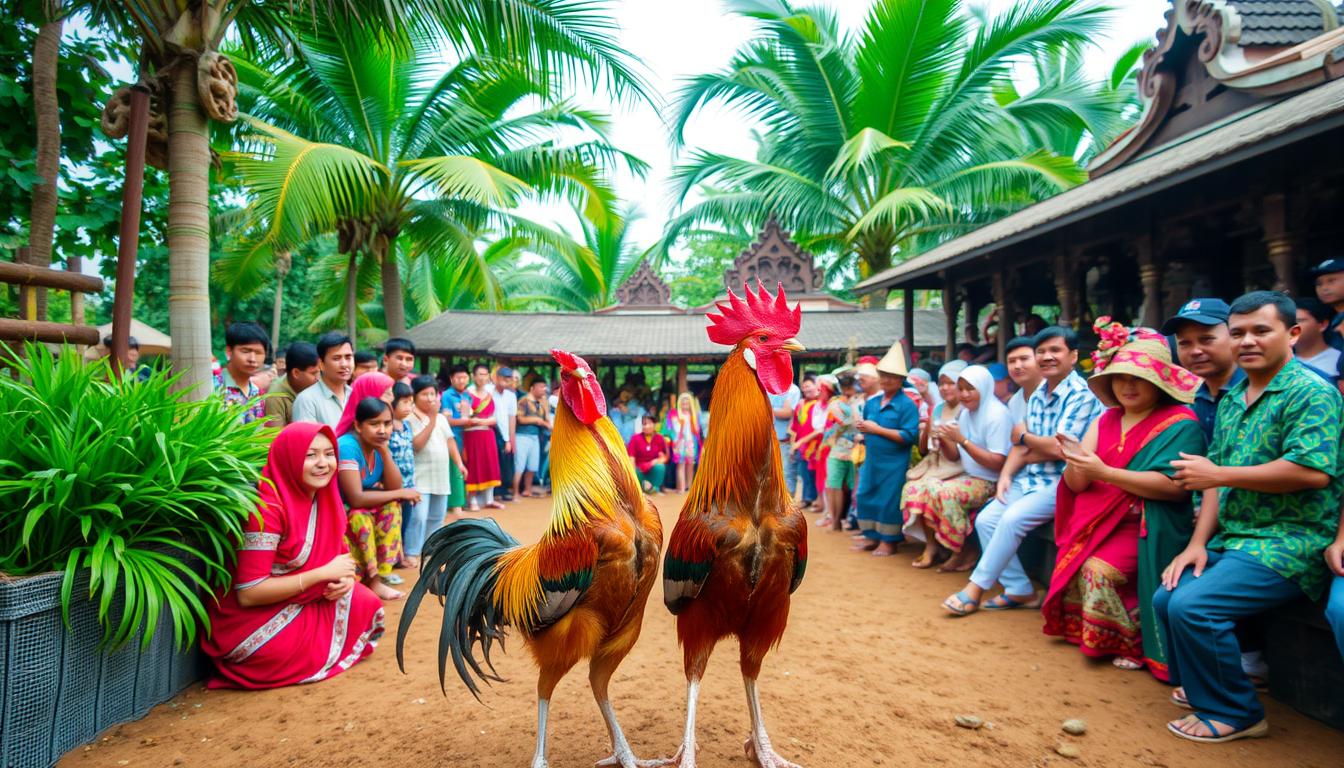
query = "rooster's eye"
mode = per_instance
[{"x": 762, "y": 338}]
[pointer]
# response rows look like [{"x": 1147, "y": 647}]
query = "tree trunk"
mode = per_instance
[
  {"x": 76, "y": 265},
  {"x": 189, "y": 233},
  {"x": 351, "y": 287},
  {"x": 275, "y": 313},
  {"x": 394, "y": 302},
  {"x": 42, "y": 217}
]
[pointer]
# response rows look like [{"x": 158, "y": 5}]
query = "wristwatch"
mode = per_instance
[{"x": 1022, "y": 439}]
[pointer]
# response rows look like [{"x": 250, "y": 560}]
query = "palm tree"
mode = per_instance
[
  {"x": 196, "y": 85},
  {"x": 370, "y": 134},
  {"x": 871, "y": 143},
  {"x": 46, "y": 110}
]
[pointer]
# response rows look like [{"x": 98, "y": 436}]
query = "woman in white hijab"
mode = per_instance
[{"x": 978, "y": 441}]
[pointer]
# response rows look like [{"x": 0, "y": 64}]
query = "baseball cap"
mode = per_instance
[
  {"x": 1202, "y": 311},
  {"x": 998, "y": 370},
  {"x": 1327, "y": 267}
]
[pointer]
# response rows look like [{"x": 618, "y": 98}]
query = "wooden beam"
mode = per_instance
[
  {"x": 908, "y": 318},
  {"x": 29, "y": 275},
  {"x": 950, "y": 305},
  {"x": 19, "y": 330}
]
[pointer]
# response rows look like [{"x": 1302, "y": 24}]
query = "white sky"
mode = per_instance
[{"x": 678, "y": 39}]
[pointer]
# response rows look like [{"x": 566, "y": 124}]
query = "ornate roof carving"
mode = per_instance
[
  {"x": 644, "y": 288},
  {"x": 1217, "y": 57},
  {"x": 775, "y": 258}
]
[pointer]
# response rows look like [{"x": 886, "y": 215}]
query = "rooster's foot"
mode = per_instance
[
  {"x": 684, "y": 758},
  {"x": 764, "y": 755}
]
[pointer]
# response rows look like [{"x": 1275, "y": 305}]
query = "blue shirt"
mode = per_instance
[
  {"x": 450, "y": 400},
  {"x": 899, "y": 413},
  {"x": 351, "y": 456},
  {"x": 1070, "y": 407},
  {"x": 1333, "y": 337},
  {"x": 787, "y": 400},
  {"x": 1206, "y": 403}
]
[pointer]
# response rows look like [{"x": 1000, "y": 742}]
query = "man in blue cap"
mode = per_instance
[
  {"x": 1329, "y": 277},
  {"x": 1206, "y": 349}
]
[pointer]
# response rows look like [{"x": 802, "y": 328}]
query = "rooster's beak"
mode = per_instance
[{"x": 792, "y": 345}]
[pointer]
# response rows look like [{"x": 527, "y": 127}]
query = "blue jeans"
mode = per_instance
[
  {"x": 1334, "y": 612},
  {"x": 790, "y": 469},
  {"x": 809, "y": 478},
  {"x": 1199, "y": 618},
  {"x": 1001, "y": 529},
  {"x": 415, "y": 525}
]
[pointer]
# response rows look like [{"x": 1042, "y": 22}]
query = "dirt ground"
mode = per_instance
[{"x": 870, "y": 673}]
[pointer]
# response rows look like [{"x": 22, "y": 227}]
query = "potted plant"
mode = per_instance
[{"x": 123, "y": 503}]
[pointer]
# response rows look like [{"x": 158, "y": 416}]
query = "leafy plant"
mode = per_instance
[{"x": 118, "y": 479}]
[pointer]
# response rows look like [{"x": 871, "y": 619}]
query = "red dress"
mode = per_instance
[
  {"x": 306, "y": 638},
  {"x": 478, "y": 443}
]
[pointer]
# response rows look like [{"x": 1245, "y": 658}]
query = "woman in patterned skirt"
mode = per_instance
[
  {"x": 1121, "y": 517},
  {"x": 296, "y": 612}
]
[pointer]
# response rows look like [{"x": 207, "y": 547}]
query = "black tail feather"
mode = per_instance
[{"x": 458, "y": 566}]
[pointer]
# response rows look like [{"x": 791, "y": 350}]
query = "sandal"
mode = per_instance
[
  {"x": 1129, "y": 665},
  {"x": 1005, "y": 603},
  {"x": 1257, "y": 731},
  {"x": 1179, "y": 698},
  {"x": 966, "y": 608},
  {"x": 393, "y": 580}
]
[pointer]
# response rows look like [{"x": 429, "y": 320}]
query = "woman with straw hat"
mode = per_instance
[
  {"x": 889, "y": 427},
  {"x": 1120, "y": 516}
]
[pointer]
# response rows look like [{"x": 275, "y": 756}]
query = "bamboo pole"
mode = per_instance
[{"x": 129, "y": 244}]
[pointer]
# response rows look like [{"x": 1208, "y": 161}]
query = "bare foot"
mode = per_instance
[
  {"x": 865, "y": 545},
  {"x": 410, "y": 561},
  {"x": 885, "y": 549},
  {"x": 385, "y": 592},
  {"x": 925, "y": 560}
]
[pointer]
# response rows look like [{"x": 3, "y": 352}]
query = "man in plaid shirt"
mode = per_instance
[{"x": 1025, "y": 497}]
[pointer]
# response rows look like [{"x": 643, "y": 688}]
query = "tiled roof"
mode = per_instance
[
  {"x": 513, "y": 336},
  {"x": 1279, "y": 22}
]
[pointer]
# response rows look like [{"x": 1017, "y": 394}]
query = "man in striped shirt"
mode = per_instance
[{"x": 1025, "y": 497}]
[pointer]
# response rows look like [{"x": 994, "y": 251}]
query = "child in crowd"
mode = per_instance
[{"x": 399, "y": 444}]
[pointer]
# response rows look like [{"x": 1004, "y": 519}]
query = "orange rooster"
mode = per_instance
[
  {"x": 579, "y": 592},
  {"x": 739, "y": 549}
]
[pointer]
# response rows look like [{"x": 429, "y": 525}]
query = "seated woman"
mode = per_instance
[
  {"x": 370, "y": 484},
  {"x": 650, "y": 451},
  {"x": 1121, "y": 518},
  {"x": 974, "y": 447},
  {"x": 296, "y": 613}
]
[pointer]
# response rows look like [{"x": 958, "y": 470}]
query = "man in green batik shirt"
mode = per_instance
[{"x": 1275, "y": 464}]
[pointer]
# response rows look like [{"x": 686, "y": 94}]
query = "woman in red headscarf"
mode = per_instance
[{"x": 296, "y": 612}]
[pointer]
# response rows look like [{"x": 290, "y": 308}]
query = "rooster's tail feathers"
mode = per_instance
[{"x": 460, "y": 566}]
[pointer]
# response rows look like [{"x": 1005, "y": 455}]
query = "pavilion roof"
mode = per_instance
[
  {"x": 1261, "y": 129},
  {"x": 666, "y": 337}
]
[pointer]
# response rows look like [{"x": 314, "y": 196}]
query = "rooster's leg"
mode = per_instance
[
  {"x": 539, "y": 757},
  {"x": 758, "y": 747},
  {"x": 599, "y": 676},
  {"x": 685, "y": 757}
]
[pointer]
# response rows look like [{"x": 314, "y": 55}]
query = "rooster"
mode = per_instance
[
  {"x": 739, "y": 548},
  {"x": 579, "y": 592}
]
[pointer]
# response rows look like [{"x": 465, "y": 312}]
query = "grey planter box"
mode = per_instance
[{"x": 59, "y": 688}]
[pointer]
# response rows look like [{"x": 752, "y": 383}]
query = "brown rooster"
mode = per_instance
[
  {"x": 739, "y": 549},
  {"x": 579, "y": 592}
]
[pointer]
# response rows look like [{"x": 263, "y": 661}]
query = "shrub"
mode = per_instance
[{"x": 119, "y": 479}]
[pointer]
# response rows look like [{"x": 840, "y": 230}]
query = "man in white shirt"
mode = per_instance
[
  {"x": 506, "y": 420},
  {"x": 782, "y": 406},
  {"x": 1313, "y": 317},
  {"x": 1022, "y": 369},
  {"x": 324, "y": 402}
]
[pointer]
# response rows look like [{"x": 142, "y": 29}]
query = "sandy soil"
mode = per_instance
[{"x": 869, "y": 673}]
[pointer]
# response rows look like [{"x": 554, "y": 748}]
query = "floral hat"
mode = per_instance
[{"x": 1139, "y": 352}]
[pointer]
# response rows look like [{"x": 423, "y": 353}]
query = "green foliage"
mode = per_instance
[
  {"x": 107, "y": 477},
  {"x": 877, "y": 144},
  {"x": 695, "y": 274}
]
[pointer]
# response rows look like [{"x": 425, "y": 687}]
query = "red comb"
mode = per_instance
[
  {"x": 568, "y": 361},
  {"x": 759, "y": 312}
]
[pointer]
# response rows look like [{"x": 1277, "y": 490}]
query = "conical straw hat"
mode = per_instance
[{"x": 894, "y": 361}]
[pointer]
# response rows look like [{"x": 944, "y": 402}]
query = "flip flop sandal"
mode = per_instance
[
  {"x": 393, "y": 580},
  {"x": 1179, "y": 699},
  {"x": 1257, "y": 731},
  {"x": 1006, "y": 603},
  {"x": 968, "y": 606}
]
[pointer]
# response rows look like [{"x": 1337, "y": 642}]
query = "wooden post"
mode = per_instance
[
  {"x": 950, "y": 302},
  {"x": 908, "y": 318},
  {"x": 1150, "y": 277},
  {"x": 682, "y": 383},
  {"x": 1066, "y": 285},
  {"x": 131, "y": 199},
  {"x": 1279, "y": 243},
  {"x": 1003, "y": 299}
]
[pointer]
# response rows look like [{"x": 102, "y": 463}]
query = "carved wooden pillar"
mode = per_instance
[
  {"x": 950, "y": 305},
  {"x": 1150, "y": 277},
  {"x": 1279, "y": 244},
  {"x": 1004, "y": 284},
  {"x": 1067, "y": 263},
  {"x": 908, "y": 316}
]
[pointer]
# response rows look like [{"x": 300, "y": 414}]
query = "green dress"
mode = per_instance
[{"x": 1164, "y": 531}]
